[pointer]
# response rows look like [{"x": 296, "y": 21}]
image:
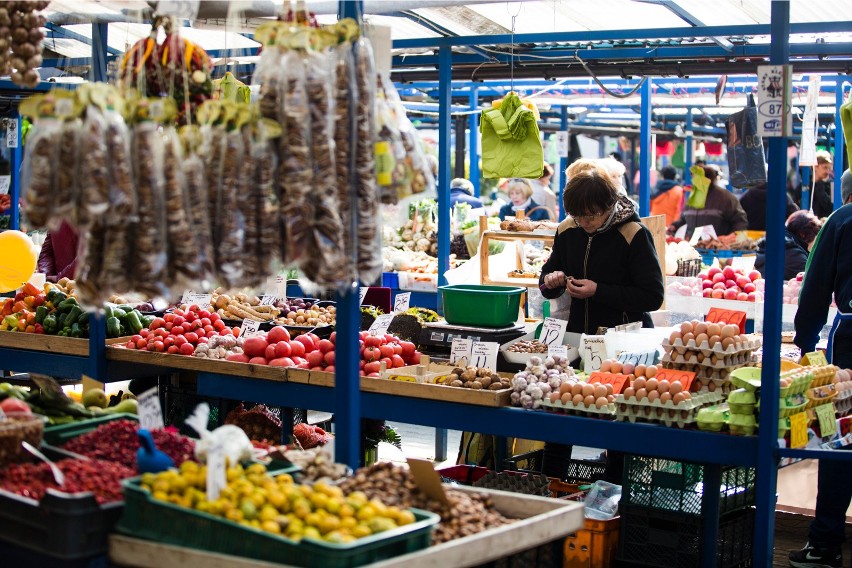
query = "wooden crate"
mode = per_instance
[
  {"x": 594, "y": 546},
  {"x": 47, "y": 343}
]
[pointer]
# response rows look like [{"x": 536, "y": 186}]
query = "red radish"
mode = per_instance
[
  {"x": 277, "y": 334},
  {"x": 254, "y": 346}
]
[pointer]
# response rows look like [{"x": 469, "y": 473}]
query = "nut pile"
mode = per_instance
[
  {"x": 117, "y": 442},
  {"x": 533, "y": 346},
  {"x": 467, "y": 514},
  {"x": 102, "y": 478},
  {"x": 315, "y": 466},
  {"x": 477, "y": 379},
  {"x": 15, "y": 429}
]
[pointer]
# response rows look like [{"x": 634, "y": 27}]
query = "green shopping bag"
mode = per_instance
[
  {"x": 700, "y": 187},
  {"x": 511, "y": 144}
]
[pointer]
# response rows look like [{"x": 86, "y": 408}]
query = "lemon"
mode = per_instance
[
  {"x": 366, "y": 513},
  {"x": 268, "y": 513},
  {"x": 235, "y": 515},
  {"x": 278, "y": 500},
  {"x": 313, "y": 519},
  {"x": 319, "y": 500},
  {"x": 348, "y": 523},
  {"x": 148, "y": 479},
  {"x": 160, "y": 496},
  {"x": 258, "y": 497},
  {"x": 312, "y": 532},
  {"x": 249, "y": 509},
  {"x": 301, "y": 508},
  {"x": 271, "y": 526},
  {"x": 379, "y": 507},
  {"x": 335, "y": 537},
  {"x": 360, "y": 531},
  {"x": 329, "y": 524},
  {"x": 285, "y": 479},
  {"x": 346, "y": 510},
  {"x": 405, "y": 518},
  {"x": 256, "y": 468},
  {"x": 189, "y": 467},
  {"x": 234, "y": 473},
  {"x": 381, "y": 524},
  {"x": 161, "y": 486}
]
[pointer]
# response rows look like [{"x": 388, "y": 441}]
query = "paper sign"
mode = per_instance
[
  {"x": 671, "y": 375},
  {"x": 201, "y": 300},
  {"x": 89, "y": 383},
  {"x": 639, "y": 357},
  {"x": 799, "y": 430},
  {"x": 5, "y": 183},
  {"x": 562, "y": 143},
  {"x": 149, "y": 410},
  {"x": 702, "y": 233},
  {"x": 268, "y": 300},
  {"x": 816, "y": 358},
  {"x": 719, "y": 315},
  {"x": 774, "y": 94},
  {"x": 216, "y": 478},
  {"x": 483, "y": 354},
  {"x": 427, "y": 479},
  {"x": 746, "y": 263},
  {"x": 12, "y": 134},
  {"x": 553, "y": 331},
  {"x": 401, "y": 301},
  {"x": 557, "y": 351},
  {"x": 827, "y": 423},
  {"x": 250, "y": 328},
  {"x": 461, "y": 349},
  {"x": 362, "y": 292},
  {"x": 617, "y": 380},
  {"x": 381, "y": 324},
  {"x": 593, "y": 349}
]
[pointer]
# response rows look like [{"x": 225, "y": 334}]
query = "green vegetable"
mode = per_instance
[
  {"x": 50, "y": 324},
  {"x": 134, "y": 322},
  {"x": 108, "y": 311},
  {"x": 113, "y": 327},
  {"x": 67, "y": 304},
  {"x": 56, "y": 297},
  {"x": 76, "y": 330},
  {"x": 41, "y": 313},
  {"x": 84, "y": 318},
  {"x": 74, "y": 313},
  {"x": 146, "y": 320},
  {"x": 61, "y": 321}
]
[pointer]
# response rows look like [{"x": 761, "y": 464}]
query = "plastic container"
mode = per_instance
[
  {"x": 713, "y": 418},
  {"x": 58, "y": 435},
  {"x": 602, "y": 501},
  {"x": 15, "y": 428},
  {"x": 481, "y": 306},
  {"x": 417, "y": 281},
  {"x": 746, "y": 378},
  {"x": 165, "y": 522}
]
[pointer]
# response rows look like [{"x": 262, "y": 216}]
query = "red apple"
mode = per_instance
[
  {"x": 706, "y": 284},
  {"x": 718, "y": 294},
  {"x": 731, "y": 283},
  {"x": 718, "y": 277},
  {"x": 742, "y": 297},
  {"x": 755, "y": 275},
  {"x": 731, "y": 294},
  {"x": 729, "y": 273},
  {"x": 742, "y": 281},
  {"x": 749, "y": 288},
  {"x": 713, "y": 271},
  {"x": 719, "y": 286},
  {"x": 708, "y": 293}
]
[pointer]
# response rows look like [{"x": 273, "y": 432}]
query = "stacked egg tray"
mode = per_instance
[
  {"x": 606, "y": 411},
  {"x": 843, "y": 401},
  {"x": 680, "y": 415},
  {"x": 711, "y": 365},
  {"x": 820, "y": 395}
]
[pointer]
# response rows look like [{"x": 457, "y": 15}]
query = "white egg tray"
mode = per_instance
[
  {"x": 843, "y": 406},
  {"x": 843, "y": 394},
  {"x": 666, "y": 413},
  {"x": 606, "y": 411},
  {"x": 691, "y": 358},
  {"x": 705, "y": 348}
]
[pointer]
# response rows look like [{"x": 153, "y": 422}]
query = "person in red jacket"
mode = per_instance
[{"x": 58, "y": 257}]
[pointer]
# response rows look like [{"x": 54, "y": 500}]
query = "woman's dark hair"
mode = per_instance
[
  {"x": 804, "y": 225},
  {"x": 711, "y": 173},
  {"x": 589, "y": 192}
]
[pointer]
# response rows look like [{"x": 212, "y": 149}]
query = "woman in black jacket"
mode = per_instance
[{"x": 799, "y": 234}]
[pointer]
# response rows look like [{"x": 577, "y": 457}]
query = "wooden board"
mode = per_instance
[
  {"x": 137, "y": 553},
  {"x": 424, "y": 390},
  {"x": 657, "y": 226},
  {"x": 48, "y": 343},
  {"x": 117, "y": 353}
]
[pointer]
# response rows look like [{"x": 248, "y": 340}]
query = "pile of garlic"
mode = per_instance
[{"x": 539, "y": 379}]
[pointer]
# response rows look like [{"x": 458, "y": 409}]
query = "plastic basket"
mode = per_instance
[
  {"x": 573, "y": 471},
  {"x": 548, "y": 555},
  {"x": 675, "y": 486},
  {"x": 58, "y": 435},
  {"x": 665, "y": 539},
  {"x": 165, "y": 522},
  {"x": 485, "y": 306}
]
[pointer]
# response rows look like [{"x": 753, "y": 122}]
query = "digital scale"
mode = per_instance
[{"x": 436, "y": 339}]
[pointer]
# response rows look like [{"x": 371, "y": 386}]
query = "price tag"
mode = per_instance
[
  {"x": 827, "y": 423},
  {"x": 427, "y": 479},
  {"x": 5, "y": 183},
  {"x": 216, "y": 478},
  {"x": 799, "y": 430},
  {"x": 553, "y": 331},
  {"x": 617, "y": 380},
  {"x": 149, "y": 410},
  {"x": 12, "y": 134},
  {"x": 281, "y": 286},
  {"x": 816, "y": 358},
  {"x": 268, "y": 300},
  {"x": 593, "y": 349},
  {"x": 719, "y": 315},
  {"x": 746, "y": 263},
  {"x": 381, "y": 324},
  {"x": 201, "y": 300},
  {"x": 250, "y": 328},
  {"x": 671, "y": 375},
  {"x": 557, "y": 351},
  {"x": 702, "y": 233},
  {"x": 436, "y": 336},
  {"x": 461, "y": 349},
  {"x": 483, "y": 354},
  {"x": 401, "y": 301},
  {"x": 639, "y": 357},
  {"x": 363, "y": 293}
]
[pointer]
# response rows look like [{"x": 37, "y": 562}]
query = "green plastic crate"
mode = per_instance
[
  {"x": 481, "y": 306},
  {"x": 58, "y": 435},
  {"x": 146, "y": 518}
]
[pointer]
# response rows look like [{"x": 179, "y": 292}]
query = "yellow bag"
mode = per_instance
[{"x": 511, "y": 143}]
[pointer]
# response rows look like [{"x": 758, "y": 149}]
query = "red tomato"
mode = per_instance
[
  {"x": 372, "y": 367},
  {"x": 211, "y": 333},
  {"x": 397, "y": 348},
  {"x": 282, "y": 349},
  {"x": 329, "y": 369},
  {"x": 408, "y": 348},
  {"x": 237, "y": 357},
  {"x": 204, "y": 314},
  {"x": 192, "y": 337},
  {"x": 144, "y": 332},
  {"x": 308, "y": 342},
  {"x": 362, "y": 335},
  {"x": 205, "y": 321},
  {"x": 388, "y": 362},
  {"x": 169, "y": 341},
  {"x": 375, "y": 375},
  {"x": 130, "y": 344},
  {"x": 161, "y": 332},
  {"x": 141, "y": 344},
  {"x": 282, "y": 362},
  {"x": 329, "y": 358},
  {"x": 278, "y": 334},
  {"x": 235, "y": 331},
  {"x": 315, "y": 358},
  {"x": 196, "y": 324},
  {"x": 191, "y": 317},
  {"x": 258, "y": 361},
  {"x": 372, "y": 354},
  {"x": 186, "y": 327},
  {"x": 169, "y": 326},
  {"x": 169, "y": 317},
  {"x": 173, "y": 349},
  {"x": 270, "y": 352},
  {"x": 333, "y": 337},
  {"x": 186, "y": 349},
  {"x": 255, "y": 346},
  {"x": 157, "y": 323},
  {"x": 178, "y": 320},
  {"x": 200, "y": 340},
  {"x": 390, "y": 338},
  {"x": 180, "y": 340},
  {"x": 398, "y": 361},
  {"x": 415, "y": 359},
  {"x": 315, "y": 338},
  {"x": 297, "y": 348},
  {"x": 136, "y": 338},
  {"x": 218, "y": 325},
  {"x": 159, "y": 346},
  {"x": 325, "y": 345},
  {"x": 214, "y": 317},
  {"x": 387, "y": 351},
  {"x": 372, "y": 341}
]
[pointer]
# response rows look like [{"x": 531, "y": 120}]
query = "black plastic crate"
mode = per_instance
[
  {"x": 547, "y": 555},
  {"x": 573, "y": 471},
  {"x": 665, "y": 539},
  {"x": 676, "y": 486},
  {"x": 178, "y": 403}
]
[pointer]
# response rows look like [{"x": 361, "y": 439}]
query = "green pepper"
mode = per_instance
[
  {"x": 147, "y": 320},
  {"x": 84, "y": 318},
  {"x": 55, "y": 296},
  {"x": 71, "y": 319},
  {"x": 134, "y": 322},
  {"x": 126, "y": 308},
  {"x": 67, "y": 304},
  {"x": 113, "y": 327},
  {"x": 63, "y": 333},
  {"x": 76, "y": 331},
  {"x": 108, "y": 311},
  {"x": 41, "y": 313},
  {"x": 50, "y": 324},
  {"x": 60, "y": 321}
]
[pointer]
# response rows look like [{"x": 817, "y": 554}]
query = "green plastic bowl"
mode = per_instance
[{"x": 481, "y": 306}]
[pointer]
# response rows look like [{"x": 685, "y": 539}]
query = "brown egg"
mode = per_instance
[
  {"x": 554, "y": 396},
  {"x": 600, "y": 391},
  {"x": 686, "y": 327},
  {"x": 674, "y": 337},
  {"x": 694, "y": 322},
  {"x": 641, "y": 394},
  {"x": 663, "y": 386},
  {"x": 714, "y": 329},
  {"x": 616, "y": 367},
  {"x": 699, "y": 328},
  {"x": 701, "y": 338},
  {"x": 577, "y": 400},
  {"x": 576, "y": 389},
  {"x": 651, "y": 385},
  {"x": 729, "y": 331},
  {"x": 687, "y": 337},
  {"x": 588, "y": 390},
  {"x": 629, "y": 393},
  {"x": 678, "y": 398},
  {"x": 589, "y": 400},
  {"x": 653, "y": 395},
  {"x": 606, "y": 366},
  {"x": 699, "y": 356},
  {"x": 686, "y": 395},
  {"x": 711, "y": 386},
  {"x": 639, "y": 371},
  {"x": 566, "y": 398},
  {"x": 609, "y": 389},
  {"x": 639, "y": 383},
  {"x": 727, "y": 342},
  {"x": 714, "y": 339},
  {"x": 651, "y": 371},
  {"x": 665, "y": 397},
  {"x": 675, "y": 387},
  {"x": 564, "y": 388},
  {"x": 601, "y": 402},
  {"x": 628, "y": 368}
]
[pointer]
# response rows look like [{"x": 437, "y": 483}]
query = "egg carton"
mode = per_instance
[
  {"x": 723, "y": 362},
  {"x": 742, "y": 408},
  {"x": 739, "y": 430},
  {"x": 666, "y": 413},
  {"x": 843, "y": 406},
  {"x": 706, "y": 373},
  {"x": 606, "y": 411},
  {"x": 822, "y": 375},
  {"x": 680, "y": 347},
  {"x": 814, "y": 402},
  {"x": 843, "y": 394},
  {"x": 723, "y": 386},
  {"x": 799, "y": 385}
]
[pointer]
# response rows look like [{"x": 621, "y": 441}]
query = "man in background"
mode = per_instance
[
  {"x": 821, "y": 198},
  {"x": 543, "y": 195}
]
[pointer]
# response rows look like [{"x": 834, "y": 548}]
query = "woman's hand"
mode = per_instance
[
  {"x": 555, "y": 279},
  {"x": 581, "y": 288}
]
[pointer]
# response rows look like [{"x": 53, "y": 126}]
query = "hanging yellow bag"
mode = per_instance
[{"x": 511, "y": 144}]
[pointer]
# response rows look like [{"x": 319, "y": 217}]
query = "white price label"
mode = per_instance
[
  {"x": 639, "y": 357},
  {"x": 632, "y": 326},
  {"x": 216, "y": 478},
  {"x": 12, "y": 134},
  {"x": 381, "y": 324},
  {"x": 201, "y": 300},
  {"x": 5, "y": 184},
  {"x": 250, "y": 328},
  {"x": 557, "y": 351},
  {"x": 401, "y": 301},
  {"x": 363, "y": 293},
  {"x": 702, "y": 233},
  {"x": 483, "y": 354},
  {"x": 562, "y": 143},
  {"x": 774, "y": 84},
  {"x": 553, "y": 331},
  {"x": 461, "y": 349},
  {"x": 593, "y": 349},
  {"x": 268, "y": 300},
  {"x": 744, "y": 262},
  {"x": 149, "y": 409}
]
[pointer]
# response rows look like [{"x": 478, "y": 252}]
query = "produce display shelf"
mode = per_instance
[
  {"x": 188, "y": 363},
  {"x": 46, "y": 343}
]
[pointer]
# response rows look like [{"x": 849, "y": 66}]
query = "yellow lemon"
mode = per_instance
[
  {"x": 312, "y": 532},
  {"x": 405, "y": 518},
  {"x": 271, "y": 526}
]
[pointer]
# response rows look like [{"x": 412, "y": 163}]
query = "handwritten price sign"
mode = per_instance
[
  {"x": 799, "y": 430},
  {"x": 671, "y": 375},
  {"x": 617, "y": 380},
  {"x": 718, "y": 315},
  {"x": 639, "y": 357},
  {"x": 816, "y": 358}
]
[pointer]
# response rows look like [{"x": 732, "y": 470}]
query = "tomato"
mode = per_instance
[
  {"x": 192, "y": 338},
  {"x": 211, "y": 333},
  {"x": 315, "y": 358},
  {"x": 282, "y": 362},
  {"x": 205, "y": 321},
  {"x": 193, "y": 308},
  {"x": 325, "y": 345},
  {"x": 415, "y": 359},
  {"x": 204, "y": 314},
  {"x": 144, "y": 332},
  {"x": 297, "y": 348},
  {"x": 218, "y": 325},
  {"x": 333, "y": 337},
  {"x": 397, "y": 361},
  {"x": 214, "y": 317},
  {"x": 362, "y": 335},
  {"x": 12, "y": 404},
  {"x": 169, "y": 326},
  {"x": 178, "y": 320},
  {"x": 196, "y": 324},
  {"x": 282, "y": 349},
  {"x": 200, "y": 340},
  {"x": 315, "y": 338},
  {"x": 157, "y": 323},
  {"x": 169, "y": 341},
  {"x": 270, "y": 352},
  {"x": 397, "y": 348},
  {"x": 307, "y": 341},
  {"x": 329, "y": 369},
  {"x": 329, "y": 358},
  {"x": 159, "y": 346},
  {"x": 235, "y": 331},
  {"x": 254, "y": 346},
  {"x": 135, "y": 338},
  {"x": 258, "y": 361},
  {"x": 186, "y": 327},
  {"x": 141, "y": 344},
  {"x": 173, "y": 349},
  {"x": 208, "y": 328},
  {"x": 130, "y": 344},
  {"x": 387, "y": 351},
  {"x": 180, "y": 340},
  {"x": 390, "y": 338},
  {"x": 186, "y": 349},
  {"x": 372, "y": 367},
  {"x": 372, "y": 354},
  {"x": 372, "y": 341},
  {"x": 162, "y": 332},
  {"x": 408, "y": 348},
  {"x": 278, "y": 334},
  {"x": 375, "y": 375},
  {"x": 238, "y": 357},
  {"x": 388, "y": 362}
]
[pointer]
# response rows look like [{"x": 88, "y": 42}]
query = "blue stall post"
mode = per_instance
[
  {"x": 806, "y": 185},
  {"x": 838, "y": 142},
  {"x": 563, "y": 162},
  {"x": 767, "y": 468},
  {"x": 15, "y": 182},
  {"x": 645, "y": 151},
  {"x": 347, "y": 391},
  {"x": 100, "y": 51},
  {"x": 473, "y": 140},
  {"x": 445, "y": 56},
  {"x": 687, "y": 155}
]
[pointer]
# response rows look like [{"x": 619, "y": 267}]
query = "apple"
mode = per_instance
[
  {"x": 755, "y": 275},
  {"x": 749, "y": 288},
  {"x": 731, "y": 294},
  {"x": 742, "y": 297},
  {"x": 718, "y": 277},
  {"x": 742, "y": 281},
  {"x": 706, "y": 284},
  {"x": 713, "y": 271},
  {"x": 729, "y": 273},
  {"x": 708, "y": 293},
  {"x": 718, "y": 294},
  {"x": 731, "y": 284}
]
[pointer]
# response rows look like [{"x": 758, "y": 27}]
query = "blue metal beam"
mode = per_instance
[
  {"x": 99, "y": 52},
  {"x": 65, "y": 33},
  {"x": 688, "y": 143},
  {"x": 435, "y": 27},
  {"x": 53, "y": 364},
  {"x": 563, "y": 164},
  {"x": 645, "y": 152},
  {"x": 473, "y": 142},
  {"x": 15, "y": 185},
  {"x": 687, "y": 17},
  {"x": 444, "y": 149}
]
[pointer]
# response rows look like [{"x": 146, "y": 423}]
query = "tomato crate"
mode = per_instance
[
  {"x": 59, "y": 434},
  {"x": 675, "y": 486},
  {"x": 666, "y": 539},
  {"x": 146, "y": 518}
]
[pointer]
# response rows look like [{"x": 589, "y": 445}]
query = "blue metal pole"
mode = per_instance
[
  {"x": 806, "y": 186},
  {"x": 347, "y": 393},
  {"x": 767, "y": 471},
  {"x": 838, "y": 142},
  {"x": 15, "y": 185},
  {"x": 444, "y": 135},
  {"x": 563, "y": 162},
  {"x": 687, "y": 155},
  {"x": 473, "y": 141},
  {"x": 645, "y": 151},
  {"x": 100, "y": 52}
]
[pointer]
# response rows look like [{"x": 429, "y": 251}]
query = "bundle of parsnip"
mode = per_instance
[{"x": 241, "y": 306}]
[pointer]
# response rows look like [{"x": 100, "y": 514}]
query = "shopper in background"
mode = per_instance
[
  {"x": 520, "y": 193},
  {"x": 753, "y": 203},
  {"x": 58, "y": 257},
  {"x": 801, "y": 231},
  {"x": 461, "y": 191},
  {"x": 542, "y": 194},
  {"x": 721, "y": 209},
  {"x": 829, "y": 272},
  {"x": 667, "y": 196},
  {"x": 822, "y": 200},
  {"x": 625, "y": 178},
  {"x": 794, "y": 182},
  {"x": 616, "y": 171}
]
